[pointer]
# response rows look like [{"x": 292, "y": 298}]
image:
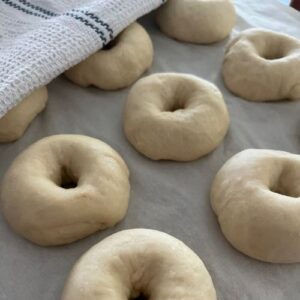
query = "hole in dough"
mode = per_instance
[
  {"x": 284, "y": 185},
  {"x": 282, "y": 191},
  {"x": 110, "y": 45},
  {"x": 69, "y": 185},
  {"x": 68, "y": 181},
  {"x": 176, "y": 105},
  {"x": 273, "y": 54},
  {"x": 140, "y": 297}
]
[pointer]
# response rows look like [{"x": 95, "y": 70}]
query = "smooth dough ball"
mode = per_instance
[
  {"x": 256, "y": 196},
  {"x": 63, "y": 188},
  {"x": 139, "y": 262},
  {"x": 17, "y": 120},
  {"x": 197, "y": 21},
  {"x": 117, "y": 65},
  {"x": 175, "y": 116},
  {"x": 262, "y": 65}
]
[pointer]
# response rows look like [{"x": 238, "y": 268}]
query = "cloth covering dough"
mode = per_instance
[
  {"x": 63, "y": 188},
  {"x": 262, "y": 65},
  {"x": 139, "y": 262},
  {"x": 118, "y": 65},
  {"x": 197, "y": 21},
  {"x": 16, "y": 121},
  {"x": 175, "y": 116},
  {"x": 256, "y": 198},
  {"x": 40, "y": 39}
]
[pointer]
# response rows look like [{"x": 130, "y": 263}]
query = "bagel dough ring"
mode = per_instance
[
  {"x": 139, "y": 262},
  {"x": 197, "y": 21},
  {"x": 256, "y": 198},
  {"x": 63, "y": 188},
  {"x": 130, "y": 55},
  {"x": 17, "y": 120},
  {"x": 262, "y": 65},
  {"x": 175, "y": 116}
]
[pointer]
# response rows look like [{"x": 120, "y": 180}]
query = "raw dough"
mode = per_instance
[
  {"x": 63, "y": 188},
  {"x": 175, "y": 116},
  {"x": 262, "y": 65},
  {"x": 16, "y": 121},
  {"x": 138, "y": 262},
  {"x": 118, "y": 65},
  {"x": 197, "y": 21},
  {"x": 256, "y": 196}
]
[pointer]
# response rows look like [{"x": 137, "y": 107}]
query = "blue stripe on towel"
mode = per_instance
[
  {"x": 38, "y": 8},
  {"x": 87, "y": 23},
  {"x": 97, "y": 20},
  {"x": 20, "y": 8},
  {"x": 41, "y": 12}
]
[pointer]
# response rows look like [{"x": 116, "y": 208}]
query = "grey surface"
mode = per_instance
[{"x": 168, "y": 196}]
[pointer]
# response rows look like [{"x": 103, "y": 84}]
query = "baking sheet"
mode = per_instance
[{"x": 168, "y": 196}]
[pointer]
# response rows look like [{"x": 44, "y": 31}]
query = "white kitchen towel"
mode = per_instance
[{"x": 40, "y": 39}]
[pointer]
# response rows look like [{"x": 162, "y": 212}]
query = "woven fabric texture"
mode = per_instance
[{"x": 40, "y": 39}]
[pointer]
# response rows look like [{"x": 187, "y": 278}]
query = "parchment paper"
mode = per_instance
[{"x": 168, "y": 196}]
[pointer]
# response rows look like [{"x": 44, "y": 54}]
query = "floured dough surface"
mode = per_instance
[
  {"x": 197, "y": 21},
  {"x": 17, "y": 120},
  {"x": 175, "y": 116},
  {"x": 119, "y": 64},
  {"x": 63, "y": 188},
  {"x": 139, "y": 262},
  {"x": 256, "y": 198},
  {"x": 263, "y": 65}
]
